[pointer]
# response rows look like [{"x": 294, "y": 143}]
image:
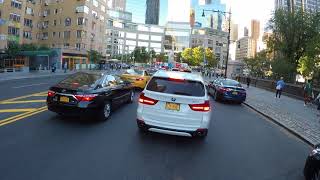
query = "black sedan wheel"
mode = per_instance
[
  {"x": 106, "y": 111},
  {"x": 131, "y": 97},
  {"x": 215, "y": 97}
]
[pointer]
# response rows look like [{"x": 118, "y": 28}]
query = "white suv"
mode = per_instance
[{"x": 175, "y": 103}]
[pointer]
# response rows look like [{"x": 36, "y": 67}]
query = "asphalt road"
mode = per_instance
[{"x": 240, "y": 145}]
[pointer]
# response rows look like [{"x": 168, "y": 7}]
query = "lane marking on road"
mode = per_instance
[
  {"x": 22, "y": 97},
  {"x": 22, "y": 116},
  {"x": 22, "y": 102},
  {"x": 17, "y": 110},
  {"x": 29, "y": 85}
]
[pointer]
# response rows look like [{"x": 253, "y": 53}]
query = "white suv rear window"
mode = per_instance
[{"x": 178, "y": 87}]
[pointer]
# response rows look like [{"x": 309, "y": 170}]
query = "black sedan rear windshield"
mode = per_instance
[
  {"x": 231, "y": 83},
  {"x": 178, "y": 87},
  {"x": 83, "y": 79}
]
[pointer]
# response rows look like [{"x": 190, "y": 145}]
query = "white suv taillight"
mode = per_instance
[
  {"x": 146, "y": 100},
  {"x": 205, "y": 107}
]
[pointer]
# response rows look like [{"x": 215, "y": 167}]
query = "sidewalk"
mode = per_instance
[
  {"x": 25, "y": 75},
  {"x": 288, "y": 112}
]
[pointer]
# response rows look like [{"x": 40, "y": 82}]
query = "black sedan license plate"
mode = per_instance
[{"x": 64, "y": 99}]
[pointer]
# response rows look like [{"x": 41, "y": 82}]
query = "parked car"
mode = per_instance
[
  {"x": 138, "y": 77},
  {"x": 89, "y": 94},
  {"x": 175, "y": 103},
  {"x": 312, "y": 165},
  {"x": 227, "y": 89},
  {"x": 212, "y": 85}
]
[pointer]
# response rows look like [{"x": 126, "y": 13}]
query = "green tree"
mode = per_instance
[
  {"x": 13, "y": 50},
  {"x": 211, "y": 58},
  {"x": 29, "y": 47},
  {"x": 292, "y": 32},
  {"x": 258, "y": 66},
  {"x": 162, "y": 57},
  {"x": 187, "y": 56},
  {"x": 95, "y": 56},
  {"x": 198, "y": 56},
  {"x": 140, "y": 55}
]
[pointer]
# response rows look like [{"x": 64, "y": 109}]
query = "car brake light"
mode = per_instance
[
  {"x": 223, "y": 89},
  {"x": 86, "y": 97},
  {"x": 139, "y": 79},
  {"x": 146, "y": 100},
  {"x": 51, "y": 93},
  {"x": 205, "y": 107}
]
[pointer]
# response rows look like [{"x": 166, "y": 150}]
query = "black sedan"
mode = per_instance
[
  {"x": 227, "y": 89},
  {"x": 312, "y": 166},
  {"x": 92, "y": 94}
]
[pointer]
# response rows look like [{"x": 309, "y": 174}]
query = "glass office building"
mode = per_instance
[{"x": 211, "y": 20}]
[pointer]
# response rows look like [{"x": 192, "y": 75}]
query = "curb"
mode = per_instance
[
  {"x": 280, "y": 124},
  {"x": 31, "y": 77}
]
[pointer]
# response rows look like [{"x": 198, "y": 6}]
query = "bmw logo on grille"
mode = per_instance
[{"x": 173, "y": 99}]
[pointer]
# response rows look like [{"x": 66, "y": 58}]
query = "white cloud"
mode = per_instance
[
  {"x": 245, "y": 10},
  {"x": 179, "y": 10}
]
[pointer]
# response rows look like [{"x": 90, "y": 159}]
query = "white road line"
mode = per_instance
[{"x": 29, "y": 85}]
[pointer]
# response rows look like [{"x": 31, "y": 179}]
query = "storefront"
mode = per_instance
[{"x": 74, "y": 62}]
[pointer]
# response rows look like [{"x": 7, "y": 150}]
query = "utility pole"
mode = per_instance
[{"x": 229, "y": 32}]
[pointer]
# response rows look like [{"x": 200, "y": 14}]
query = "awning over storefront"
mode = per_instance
[{"x": 39, "y": 53}]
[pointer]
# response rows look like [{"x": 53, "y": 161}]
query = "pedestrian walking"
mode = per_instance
[
  {"x": 53, "y": 68},
  {"x": 279, "y": 87},
  {"x": 318, "y": 102},
  {"x": 307, "y": 92},
  {"x": 248, "y": 81},
  {"x": 65, "y": 67}
]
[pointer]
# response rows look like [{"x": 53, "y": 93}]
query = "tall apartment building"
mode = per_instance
[
  {"x": 73, "y": 27},
  {"x": 213, "y": 39},
  {"x": 255, "y": 34},
  {"x": 124, "y": 36},
  {"x": 118, "y": 5},
  {"x": 244, "y": 48},
  {"x": 18, "y": 22},
  {"x": 152, "y": 12},
  {"x": 212, "y": 19},
  {"x": 291, "y": 5}
]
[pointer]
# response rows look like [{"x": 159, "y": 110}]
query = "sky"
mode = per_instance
[{"x": 242, "y": 10}]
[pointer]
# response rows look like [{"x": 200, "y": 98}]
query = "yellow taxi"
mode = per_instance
[{"x": 138, "y": 78}]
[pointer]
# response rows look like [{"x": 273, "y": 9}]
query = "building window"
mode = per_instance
[
  {"x": 55, "y": 11},
  {"x": 13, "y": 31},
  {"x": 66, "y": 34},
  {"x": 27, "y": 22},
  {"x": 82, "y": 9},
  {"x": 78, "y": 46},
  {"x": 14, "y": 17},
  {"x": 53, "y": 34},
  {"x": 95, "y": 3},
  {"x": 79, "y": 33},
  {"x": 16, "y": 4},
  {"x": 82, "y": 21},
  {"x": 27, "y": 35},
  {"x": 29, "y": 11},
  {"x": 66, "y": 45},
  {"x": 59, "y": 34},
  {"x": 93, "y": 26},
  {"x": 45, "y": 35},
  {"x": 54, "y": 22},
  {"x": 67, "y": 22}
]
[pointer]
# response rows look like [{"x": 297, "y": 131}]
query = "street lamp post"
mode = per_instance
[{"x": 229, "y": 32}]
